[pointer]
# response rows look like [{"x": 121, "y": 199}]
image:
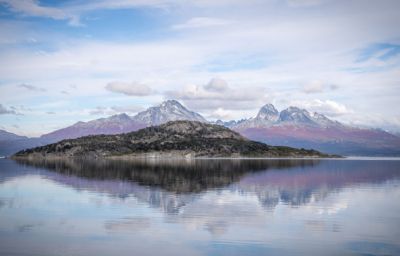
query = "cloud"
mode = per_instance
[
  {"x": 318, "y": 86},
  {"x": 131, "y": 109},
  {"x": 73, "y": 12},
  {"x": 130, "y": 89},
  {"x": 5, "y": 111},
  {"x": 33, "y": 9},
  {"x": 127, "y": 109},
  {"x": 218, "y": 94},
  {"x": 202, "y": 22},
  {"x": 222, "y": 114},
  {"x": 376, "y": 58},
  {"x": 217, "y": 85},
  {"x": 326, "y": 107},
  {"x": 32, "y": 88},
  {"x": 101, "y": 111},
  {"x": 314, "y": 87},
  {"x": 325, "y": 45},
  {"x": 88, "y": 6},
  {"x": 305, "y": 3},
  {"x": 334, "y": 87}
]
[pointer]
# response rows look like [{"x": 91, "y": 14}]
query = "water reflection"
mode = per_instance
[
  {"x": 179, "y": 176},
  {"x": 294, "y": 182},
  {"x": 212, "y": 207}
]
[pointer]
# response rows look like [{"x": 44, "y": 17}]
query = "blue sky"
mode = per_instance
[{"x": 68, "y": 61}]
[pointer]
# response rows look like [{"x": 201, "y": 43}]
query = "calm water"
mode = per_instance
[{"x": 203, "y": 207}]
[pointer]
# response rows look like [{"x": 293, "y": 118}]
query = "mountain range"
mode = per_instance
[
  {"x": 294, "y": 127},
  {"x": 297, "y": 127}
]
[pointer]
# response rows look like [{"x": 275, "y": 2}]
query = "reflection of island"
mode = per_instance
[
  {"x": 292, "y": 182},
  {"x": 178, "y": 176},
  {"x": 168, "y": 185},
  {"x": 172, "y": 184}
]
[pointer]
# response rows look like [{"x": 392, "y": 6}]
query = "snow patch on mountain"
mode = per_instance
[{"x": 170, "y": 110}]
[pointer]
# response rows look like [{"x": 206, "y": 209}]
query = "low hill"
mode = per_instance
[{"x": 173, "y": 139}]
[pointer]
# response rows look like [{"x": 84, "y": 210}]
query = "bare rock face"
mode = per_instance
[
  {"x": 202, "y": 129},
  {"x": 180, "y": 139}
]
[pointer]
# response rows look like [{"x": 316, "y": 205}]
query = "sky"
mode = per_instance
[{"x": 68, "y": 61}]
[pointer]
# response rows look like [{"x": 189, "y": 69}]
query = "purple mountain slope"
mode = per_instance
[
  {"x": 121, "y": 123},
  {"x": 8, "y": 136}
]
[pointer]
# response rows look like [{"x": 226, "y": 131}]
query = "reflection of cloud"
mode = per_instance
[
  {"x": 218, "y": 227},
  {"x": 334, "y": 208},
  {"x": 217, "y": 211},
  {"x": 130, "y": 224},
  {"x": 322, "y": 225},
  {"x": 27, "y": 227}
]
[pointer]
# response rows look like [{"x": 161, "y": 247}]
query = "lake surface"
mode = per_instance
[{"x": 202, "y": 207}]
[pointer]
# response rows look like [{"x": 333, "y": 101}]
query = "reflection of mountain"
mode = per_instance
[{"x": 300, "y": 185}]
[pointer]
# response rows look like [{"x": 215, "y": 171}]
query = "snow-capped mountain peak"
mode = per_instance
[
  {"x": 268, "y": 113},
  {"x": 324, "y": 121},
  {"x": 169, "y": 110},
  {"x": 295, "y": 115}
]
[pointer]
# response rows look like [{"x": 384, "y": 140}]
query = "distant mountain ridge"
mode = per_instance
[
  {"x": 297, "y": 127},
  {"x": 170, "y": 110},
  {"x": 8, "y": 136},
  {"x": 269, "y": 116},
  {"x": 292, "y": 126}
]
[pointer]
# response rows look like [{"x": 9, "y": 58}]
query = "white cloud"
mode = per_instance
[
  {"x": 113, "y": 110},
  {"x": 32, "y": 8},
  {"x": 292, "y": 51},
  {"x": 217, "y": 94},
  {"x": 221, "y": 113},
  {"x": 4, "y": 110},
  {"x": 315, "y": 86},
  {"x": 130, "y": 89},
  {"x": 326, "y": 107},
  {"x": 318, "y": 86},
  {"x": 216, "y": 85},
  {"x": 31, "y": 87},
  {"x": 131, "y": 109},
  {"x": 202, "y": 22},
  {"x": 305, "y": 3}
]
